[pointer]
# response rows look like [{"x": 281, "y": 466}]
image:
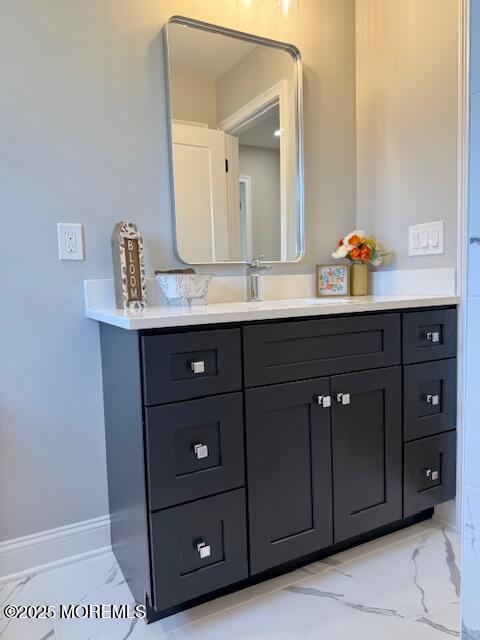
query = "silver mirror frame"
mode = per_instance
[{"x": 299, "y": 187}]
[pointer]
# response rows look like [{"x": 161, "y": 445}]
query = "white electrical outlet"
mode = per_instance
[
  {"x": 70, "y": 241},
  {"x": 426, "y": 239}
]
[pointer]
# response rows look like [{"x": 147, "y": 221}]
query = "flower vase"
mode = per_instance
[{"x": 359, "y": 280}]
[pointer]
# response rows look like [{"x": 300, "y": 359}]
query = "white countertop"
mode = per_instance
[{"x": 156, "y": 317}]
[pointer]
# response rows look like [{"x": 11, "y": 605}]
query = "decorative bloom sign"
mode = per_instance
[{"x": 128, "y": 266}]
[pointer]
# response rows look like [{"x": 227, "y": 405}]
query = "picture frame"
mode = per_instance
[{"x": 333, "y": 280}]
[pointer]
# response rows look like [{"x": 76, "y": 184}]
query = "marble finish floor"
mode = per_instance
[{"x": 402, "y": 586}]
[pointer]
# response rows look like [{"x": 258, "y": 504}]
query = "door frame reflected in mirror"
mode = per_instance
[
  {"x": 236, "y": 121},
  {"x": 245, "y": 116}
]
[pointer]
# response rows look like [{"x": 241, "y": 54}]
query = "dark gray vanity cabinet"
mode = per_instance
[
  {"x": 303, "y": 457},
  {"x": 288, "y": 351},
  {"x": 176, "y": 473},
  {"x": 197, "y": 548},
  {"x": 367, "y": 458},
  {"x": 289, "y": 472},
  {"x": 236, "y": 452}
]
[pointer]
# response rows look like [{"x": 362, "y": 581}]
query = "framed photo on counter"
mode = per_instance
[{"x": 333, "y": 280}]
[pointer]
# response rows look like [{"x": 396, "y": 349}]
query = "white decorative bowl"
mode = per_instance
[{"x": 180, "y": 288}]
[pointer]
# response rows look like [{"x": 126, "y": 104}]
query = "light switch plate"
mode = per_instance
[
  {"x": 70, "y": 241},
  {"x": 426, "y": 239}
]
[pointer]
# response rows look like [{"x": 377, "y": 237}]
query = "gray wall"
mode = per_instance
[
  {"x": 83, "y": 138},
  {"x": 263, "y": 167},
  {"x": 193, "y": 99},
  {"x": 407, "y": 74},
  {"x": 239, "y": 85}
]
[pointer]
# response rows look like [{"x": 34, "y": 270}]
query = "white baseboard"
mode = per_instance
[
  {"x": 448, "y": 514},
  {"x": 46, "y": 549}
]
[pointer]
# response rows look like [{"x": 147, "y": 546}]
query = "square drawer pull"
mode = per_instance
[
  {"x": 324, "y": 401},
  {"x": 429, "y": 473},
  {"x": 201, "y": 450},
  {"x": 433, "y": 336},
  {"x": 198, "y": 366},
  {"x": 204, "y": 550},
  {"x": 433, "y": 399},
  {"x": 343, "y": 398}
]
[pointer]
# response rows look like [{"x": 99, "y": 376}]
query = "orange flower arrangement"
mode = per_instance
[{"x": 360, "y": 249}]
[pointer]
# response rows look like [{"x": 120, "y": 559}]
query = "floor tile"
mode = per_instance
[
  {"x": 471, "y": 560},
  {"x": 348, "y": 595},
  {"x": 235, "y": 599},
  {"x": 94, "y": 581},
  {"x": 8, "y": 591},
  {"x": 415, "y": 576},
  {"x": 101, "y": 582},
  {"x": 329, "y": 605},
  {"x": 21, "y": 629},
  {"x": 382, "y": 543},
  {"x": 109, "y": 589},
  {"x": 439, "y": 625},
  {"x": 239, "y": 597}
]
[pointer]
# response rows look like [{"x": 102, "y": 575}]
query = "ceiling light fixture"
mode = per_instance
[
  {"x": 286, "y": 8},
  {"x": 248, "y": 4},
  {"x": 277, "y": 133}
]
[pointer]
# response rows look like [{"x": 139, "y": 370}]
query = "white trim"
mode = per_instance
[
  {"x": 247, "y": 221},
  {"x": 54, "y": 546},
  {"x": 20, "y": 575},
  {"x": 234, "y": 231},
  {"x": 234, "y": 123},
  {"x": 463, "y": 147},
  {"x": 451, "y": 512},
  {"x": 454, "y": 514},
  {"x": 190, "y": 123}
]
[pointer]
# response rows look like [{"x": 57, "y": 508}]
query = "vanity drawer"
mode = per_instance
[
  {"x": 429, "y": 472},
  {"x": 194, "y": 449},
  {"x": 190, "y": 365},
  {"x": 430, "y": 398},
  {"x": 429, "y": 335},
  {"x": 307, "y": 349},
  {"x": 198, "y": 547}
]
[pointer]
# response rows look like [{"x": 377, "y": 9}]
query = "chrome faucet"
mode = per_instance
[{"x": 254, "y": 269}]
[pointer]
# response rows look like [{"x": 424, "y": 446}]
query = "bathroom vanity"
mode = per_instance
[
  {"x": 244, "y": 439},
  {"x": 239, "y": 449}
]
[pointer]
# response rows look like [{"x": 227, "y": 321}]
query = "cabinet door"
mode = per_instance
[
  {"x": 289, "y": 472},
  {"x": 367, "y": 450}
]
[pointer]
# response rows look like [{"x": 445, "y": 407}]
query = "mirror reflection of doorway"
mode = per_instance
[
  {"x": 246, "y": 216},
  {"x": 259, "y": 157}
]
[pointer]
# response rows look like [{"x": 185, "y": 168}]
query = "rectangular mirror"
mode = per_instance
[{"x": 235, "y": 109}]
